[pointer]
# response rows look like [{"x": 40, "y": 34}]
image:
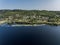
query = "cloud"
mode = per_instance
[
  {"x": 50, "y": 5},
  {"x": 56, "y": 4}
]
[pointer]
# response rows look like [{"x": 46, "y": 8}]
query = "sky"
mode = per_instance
[{"x": 30, "y": 4}]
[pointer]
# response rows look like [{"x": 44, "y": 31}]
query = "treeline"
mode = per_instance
[{"x": 29, "y": 12}]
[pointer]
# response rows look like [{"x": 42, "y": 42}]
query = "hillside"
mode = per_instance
[{"x": 30, "y": 16}]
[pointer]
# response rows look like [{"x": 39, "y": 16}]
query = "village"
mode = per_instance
[
  {"x": 29, "y": 17},
  {"x": 33, "y": 19}
]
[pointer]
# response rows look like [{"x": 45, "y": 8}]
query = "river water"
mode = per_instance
[{"x": 29, "y": 35}]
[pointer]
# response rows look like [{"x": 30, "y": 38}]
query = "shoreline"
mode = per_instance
[
  {"x": 37, "y": 24},
  {"x": 24, "y": 25},
  {"x": 29, "y": 25}
]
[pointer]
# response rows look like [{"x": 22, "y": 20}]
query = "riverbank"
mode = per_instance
[
  {"x": 30, "y": 24},
  {"x": 27, "y": 25},
  {"x": 34, "y": 24}
]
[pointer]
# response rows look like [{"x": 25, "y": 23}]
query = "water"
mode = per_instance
[{"x": 29, "y": 35}]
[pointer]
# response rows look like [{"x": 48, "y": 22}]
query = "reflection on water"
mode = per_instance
[{"x": 29, "y": 35}]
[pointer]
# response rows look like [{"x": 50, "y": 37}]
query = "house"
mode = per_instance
[{"x": 45, "y": 18}]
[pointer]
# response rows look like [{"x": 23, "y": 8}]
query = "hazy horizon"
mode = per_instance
[{"x": 53, "y": 5}]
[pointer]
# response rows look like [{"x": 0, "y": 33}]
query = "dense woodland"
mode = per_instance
[{"x": 30, "y": 16}]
